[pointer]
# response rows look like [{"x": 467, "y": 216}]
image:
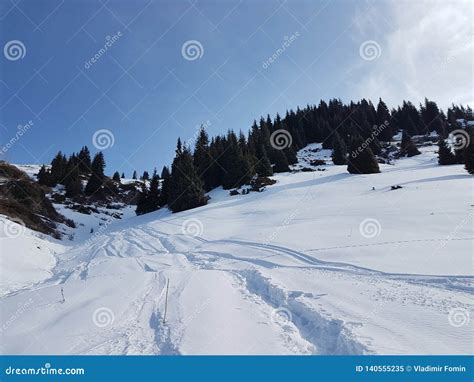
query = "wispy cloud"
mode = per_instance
[{"x": 426, "y": 50}]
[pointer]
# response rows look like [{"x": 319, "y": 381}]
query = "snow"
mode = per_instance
[{"x": 322, "y": 262}]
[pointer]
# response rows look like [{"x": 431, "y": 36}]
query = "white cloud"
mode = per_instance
[{"x": 427, "y": 51}]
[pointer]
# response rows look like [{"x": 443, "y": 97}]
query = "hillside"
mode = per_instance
[{"x": 322, "y": 262}]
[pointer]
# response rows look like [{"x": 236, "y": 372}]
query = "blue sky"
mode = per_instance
[{"x": 146, "y": 90}]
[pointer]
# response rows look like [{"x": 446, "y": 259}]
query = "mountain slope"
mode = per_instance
[{"x": 322, "y": 262}]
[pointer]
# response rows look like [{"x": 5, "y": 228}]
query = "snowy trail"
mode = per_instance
[{"x": 297, "y": 279}]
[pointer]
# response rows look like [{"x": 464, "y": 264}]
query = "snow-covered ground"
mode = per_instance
[{"x": 322, "y": 262}]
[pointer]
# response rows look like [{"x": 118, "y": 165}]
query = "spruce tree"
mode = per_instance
[
  {"x": 361, "y": 159},
  {"x": 445, "y": 155},
  {"x": 202, "y": 159},
  {"x": 123, "y": 175},
  {"x": 262, "y": 165},
  {"x": 58, "y": 168},
  {"x": 134, "y": 176},
  {"x": 145, "y": 175},
  {"x": 142, "y": 201},
  {"x": 407, "y": 147},
  {"x": 44, "y": 177},
  {"x": 165, "y": 186},
  {"x": 97, "y": 175},
  {"x": 84, "y": 159},
  {"x": 280, "y": 162},
  {"x": 185, "y": 185},
  {"x": 116, "y": 176},
  {"x": 339, "y": 151},
  {"x": 469, "y": 155},
  {"x": 73, "y": 184}
]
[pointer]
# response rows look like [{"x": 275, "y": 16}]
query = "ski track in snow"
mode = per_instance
[{"x": 223, "y": 297}]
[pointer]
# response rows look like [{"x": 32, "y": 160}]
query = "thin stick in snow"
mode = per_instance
[
  {"x": 62, "y": 294},
  {"x": 166, "y": 301}
]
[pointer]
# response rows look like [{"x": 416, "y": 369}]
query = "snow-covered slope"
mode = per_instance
[{"x": 322, "y": 262}]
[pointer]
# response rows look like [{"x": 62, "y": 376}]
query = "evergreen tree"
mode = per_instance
[
  {"x": 58, "y": 168},
  {"x": 280, "y": 163},
  {"x": 44, "y": 177},
  {"x": 339, "y": 151},
  {"x": 116, "y": 176},
  {"x": 407, "y": 146},
  {"x": 185, "y": 185},
  {"x": 469, "y": 155},
  {"x": 445, "y": 156},
  {"x": 123, "y": 175},
  {"x": 142, "y": 201},
  {"x": 96, "y": 179},
  {"x": 202, "y": 159},
  {"x": 361, "y": 160},
  {"x": 236, "y": 165},
  {"x": 165, "y": 186},
  {"x": 84, "y": 158},
  {"x": 384, "y": 121},
  {"x": 134, "y": 176},
  {"x": 73, "y": 185},
  {"x": 262, "y": 165},
  {"x": 145, "y": 175}
]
